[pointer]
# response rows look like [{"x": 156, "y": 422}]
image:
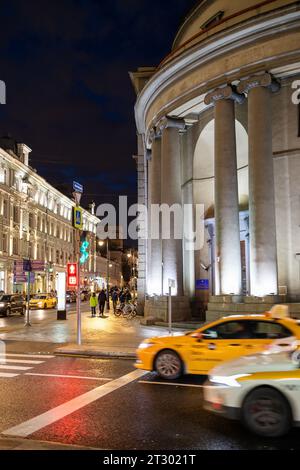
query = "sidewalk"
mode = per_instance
[{"x": 101, "y": 337}]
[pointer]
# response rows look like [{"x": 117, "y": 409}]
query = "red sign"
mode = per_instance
[{"x": 72, "y": 277}]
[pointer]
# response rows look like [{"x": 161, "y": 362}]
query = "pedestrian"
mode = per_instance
[
  {"x": 114, "y": 299},
  {"x": 101, "y": 302},
  {"x": 93, "y": 304},
  {"x": 128, "y": 296}
]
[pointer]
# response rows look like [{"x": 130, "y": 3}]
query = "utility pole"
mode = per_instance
[
  {"x": 77, "y": 223},
  {"x": 107, "y": 274}
]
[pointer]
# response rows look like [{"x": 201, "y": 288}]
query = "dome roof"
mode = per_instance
[{"x": 208, "y": 13}]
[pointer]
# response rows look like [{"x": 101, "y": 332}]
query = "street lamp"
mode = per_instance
[
  {"x": 131, "y": 255},
  {"x": 101, "y": 243}
]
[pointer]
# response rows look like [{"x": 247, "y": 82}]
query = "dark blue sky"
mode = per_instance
[{"x": 69, "y": 97}]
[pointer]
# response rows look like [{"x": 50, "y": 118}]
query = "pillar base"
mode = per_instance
[
  {"x": 156, "y": 308},
  {"x": 61, "y": 314}
]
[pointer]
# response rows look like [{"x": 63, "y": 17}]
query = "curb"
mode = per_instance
[{"x": 94, "y": 353}]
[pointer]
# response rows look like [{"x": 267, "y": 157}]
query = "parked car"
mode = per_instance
[
  {"x": 43, "y": 301},
  {"x": 12, "y": 303},
  {"x": 85, "y": 294},
  {"x": 70, "y": 296}
]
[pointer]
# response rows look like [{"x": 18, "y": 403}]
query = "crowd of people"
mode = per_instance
[{"x": 116, "y": 294}]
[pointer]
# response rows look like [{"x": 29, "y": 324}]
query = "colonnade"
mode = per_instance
[{"x": 165, "y": 256}]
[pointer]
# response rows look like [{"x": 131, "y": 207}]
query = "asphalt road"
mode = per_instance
[{"x": 107, "y": 404}]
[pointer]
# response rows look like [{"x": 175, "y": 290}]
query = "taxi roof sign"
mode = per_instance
[{"x": 278, "y": 311}]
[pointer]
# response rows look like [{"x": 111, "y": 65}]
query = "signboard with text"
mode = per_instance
[
  {"x": 37, "y": 265},
  {"x": 202, "y": 284},
  {"x": 72, "y": 275},
  {"x": 77, "y": 187}
]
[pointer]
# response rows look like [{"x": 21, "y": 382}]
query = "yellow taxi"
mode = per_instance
[
  {"x": 42, "y": 301},
  {"x": 221, "y": 340},
  {"x": 263, "y": 391}
]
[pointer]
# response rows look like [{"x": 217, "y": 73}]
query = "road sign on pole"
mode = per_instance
[
  {"x": 171, "y": 283},
  {"x": 77, "y": 197},
  {"x": 72, "y": 275},
  {"x": 77, "y": 187},
  {"x": 78, "y": 225}
]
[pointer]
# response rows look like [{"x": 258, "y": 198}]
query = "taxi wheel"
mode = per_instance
[
  {"x": 266, "y": 412},
  {"x": 168, "y": 365},
  {"x": 45, "y": 306}
]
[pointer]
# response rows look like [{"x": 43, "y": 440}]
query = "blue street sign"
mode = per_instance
[
  {"x": 77, "y": 187},
  {"x": 202, "y": 284}
]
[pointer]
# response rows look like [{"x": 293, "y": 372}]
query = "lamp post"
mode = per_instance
[
  {"x": 132, "y": 258},
  {"x": 101, "y": 243}
]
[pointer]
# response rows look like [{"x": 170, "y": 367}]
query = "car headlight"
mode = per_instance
[
  {"x": 40, "y": 304},
  {"x": 2, "y": 304},
  {"x": 145, "y": 345},
  {"x": 229, "y": 380}
]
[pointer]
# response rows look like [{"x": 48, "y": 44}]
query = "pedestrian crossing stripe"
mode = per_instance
[{"x": 15, "y": 361}]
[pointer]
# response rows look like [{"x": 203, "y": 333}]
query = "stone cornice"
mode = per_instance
[{"x": 250, "y": 31}]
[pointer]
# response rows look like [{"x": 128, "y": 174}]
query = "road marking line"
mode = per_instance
[
  {"x": 19, "y": 361},
  {"x": 169, "y": 383},
  {"x": 2, "y": 366},
  {"x": 51, "y": 416},
  {"x": 37, "y": 356},
  {"x": 69, "y": 376},
  {"x": 7, "y": 375}
]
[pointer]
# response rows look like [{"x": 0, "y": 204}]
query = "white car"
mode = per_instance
[{"x": 262, "y": 390}]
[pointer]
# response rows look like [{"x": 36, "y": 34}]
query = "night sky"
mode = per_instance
[{"x": 69, "y": 97}]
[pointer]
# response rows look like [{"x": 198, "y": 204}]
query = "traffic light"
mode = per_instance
[{"x": 84, "y": 244}]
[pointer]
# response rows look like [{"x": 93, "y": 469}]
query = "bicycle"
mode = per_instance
[{"x": 126, "y": 309}]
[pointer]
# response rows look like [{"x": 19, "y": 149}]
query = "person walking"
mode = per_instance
[
  {"x": 114, "y": 299},
  {"x": 93, "y": 304},
  {"x": 101, "y": 302}
]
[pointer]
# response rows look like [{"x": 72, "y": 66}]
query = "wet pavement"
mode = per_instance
[
  {"x": 108, "y": 331},
  {"x": 101, "y": 403}
]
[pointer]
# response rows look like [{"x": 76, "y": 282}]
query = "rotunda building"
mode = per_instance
[{"x": 218, "y": 125}]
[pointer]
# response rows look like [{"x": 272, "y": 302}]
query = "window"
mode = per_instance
[
  {"x": 31, "y": 220},
  {"x": 269, "y": 330},
  {"x": 5, "y": 209},
  {"x": 16, "y": 214},
  {"x": 57, "y": 256},
  {"x": 230, "y": 330},
  {"x": 15, "y": 246},
  {"x": 4, "y": 242},
  {"x": 3, "y": 175},
  {"x": 213, "y": 20}
]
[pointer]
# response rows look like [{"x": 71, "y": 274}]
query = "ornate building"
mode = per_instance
[
  {"x": 36, "y": 222},
  {"x": 218, "y": 124}
]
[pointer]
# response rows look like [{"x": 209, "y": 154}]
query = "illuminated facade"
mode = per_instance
[
  {"x": 36, "y": 222},
  {"x": 218, "y": 124}
]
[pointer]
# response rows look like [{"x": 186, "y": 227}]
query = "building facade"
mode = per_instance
[
  {"x": 218, "y": 125},
  {"x": 36, "y": 223}
]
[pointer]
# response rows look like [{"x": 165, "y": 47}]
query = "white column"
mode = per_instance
[
  {"x": 263, "y": 252},
  {"x": 172, "y": 256},
  {"x": 228, "y": 251},
  {"x": 154, "y": 286}
]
